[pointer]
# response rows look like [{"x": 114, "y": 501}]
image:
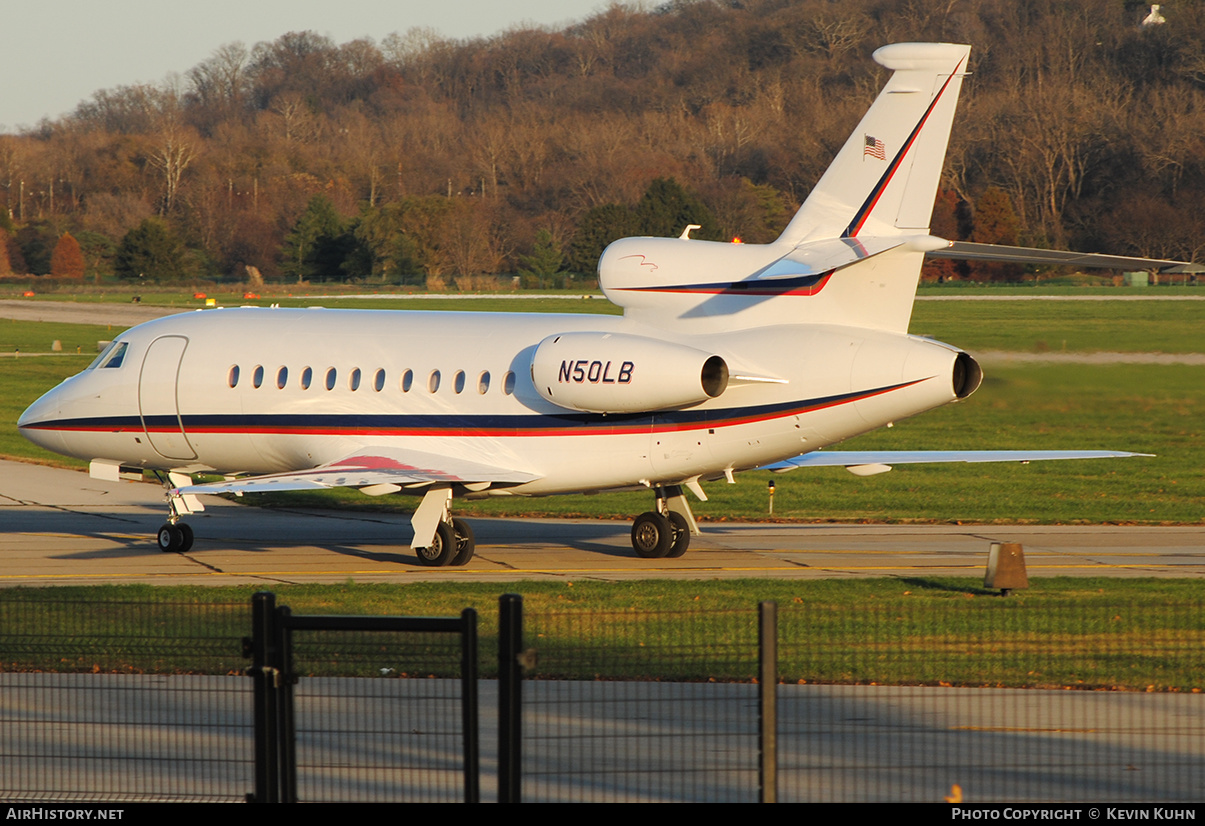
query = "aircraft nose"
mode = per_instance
[{"x": 36, "y": 423}]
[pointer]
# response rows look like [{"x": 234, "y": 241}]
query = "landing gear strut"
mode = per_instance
[
  {"x": 451, "y": 542},
  {"x": 664, "y": 532},
  {"x": 174, "y": 536}
]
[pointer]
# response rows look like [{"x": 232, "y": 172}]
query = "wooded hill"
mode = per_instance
[{"x": 418, "y": 156}]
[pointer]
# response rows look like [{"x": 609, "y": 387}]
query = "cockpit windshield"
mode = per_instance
[{"x": 111, "y": 356}]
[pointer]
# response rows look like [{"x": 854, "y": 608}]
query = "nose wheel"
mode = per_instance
[{"x": 174, "y": 538}]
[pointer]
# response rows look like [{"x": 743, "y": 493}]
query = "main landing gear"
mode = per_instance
[
  {"x": 453, "y": 545},
  {"x": 439, "y": 539},
  {"x": 664, "y": 532}
]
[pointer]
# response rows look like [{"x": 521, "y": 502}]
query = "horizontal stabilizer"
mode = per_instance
[
  {"x": 862, "y": 458},
  {"x": 369, "y": 468},
  {"x": 967, "y": 251}
]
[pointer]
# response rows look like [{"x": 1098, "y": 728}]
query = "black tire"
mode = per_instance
[
  {"x": 681, "y": 534},
  {"x": 442, "y": 549},
  {"x": 652, "y": 535},
  {"x": 185, "y": 537},
  {"x": 170, "y": 538},
  {"x": 466, "y": 543}
]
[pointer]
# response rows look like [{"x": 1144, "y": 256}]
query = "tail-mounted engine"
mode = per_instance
[{"x": 618, "y": 373}]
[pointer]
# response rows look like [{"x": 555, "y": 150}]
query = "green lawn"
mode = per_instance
[
  {"x": 1071, "y": 326},
  {"x": 1125, "y": 634}
]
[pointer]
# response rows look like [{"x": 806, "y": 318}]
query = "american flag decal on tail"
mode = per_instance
[{"x": 875, "y": 148}]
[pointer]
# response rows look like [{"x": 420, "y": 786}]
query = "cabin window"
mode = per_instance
[
  {"x": 483, "y": 382},
  {"x": 282, "y": 378},
  {"x": 232, "y": 378},
  {"x": 433, "y": 381},
  {"x": 307, "y": 378},
  {"x": 458, "y": 382},
  {"x": 331, "y": 376},
  {"x": 257, "y": 378},
  {"x": 508, "y": 384},
  {"x": 353, "y": 381},
  {"x": 378, "y": 381},
  {"x": 407, "y": 381}
]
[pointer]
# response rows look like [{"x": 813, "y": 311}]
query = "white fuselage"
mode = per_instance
[{"x": 171, "y": 405}]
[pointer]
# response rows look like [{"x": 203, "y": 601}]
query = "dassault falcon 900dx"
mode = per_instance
[{"x": 727, "y": 357}]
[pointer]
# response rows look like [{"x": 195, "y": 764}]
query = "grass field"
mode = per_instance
[{"x": 1078, "y": 633}]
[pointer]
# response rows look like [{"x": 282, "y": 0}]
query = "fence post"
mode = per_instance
[
  {"x": 468, "y": 705},
  {"x": 263, "y": 632},
  {"x": 510, "y": 685},
  {"x": 767, "y": 689},
  {"x": 287, "y": 725}
]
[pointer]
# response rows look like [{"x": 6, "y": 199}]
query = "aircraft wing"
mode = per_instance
[
  {"x": 870, "y": 462},
  {"x": 967, "y": 251},
  {"x": 374, "y": 471}
]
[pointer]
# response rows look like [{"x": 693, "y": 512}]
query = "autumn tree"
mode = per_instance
[
  {"x": 944, "y": 224},
  {"x": 995, "y": 222},
  {"x": 12, "y": 254},
  {"x": 67, "y": 260}
]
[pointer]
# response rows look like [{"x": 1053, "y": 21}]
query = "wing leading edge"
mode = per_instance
[{"x": 870, "y": 462}]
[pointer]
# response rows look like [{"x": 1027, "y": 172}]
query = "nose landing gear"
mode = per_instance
[{"x": 174, "y": 536}]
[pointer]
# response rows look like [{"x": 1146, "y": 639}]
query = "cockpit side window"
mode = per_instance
[
  {"x": 103, "y": 355},
  {"x": 116, "y": 357}
]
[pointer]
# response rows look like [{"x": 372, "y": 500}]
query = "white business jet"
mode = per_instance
[{"x": 727, "y": 357}]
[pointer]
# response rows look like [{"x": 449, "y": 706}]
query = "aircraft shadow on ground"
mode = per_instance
[{"x": 361, "y": 538}]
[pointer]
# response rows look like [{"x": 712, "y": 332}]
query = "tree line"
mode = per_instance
[{"x": 418, "y": 157}]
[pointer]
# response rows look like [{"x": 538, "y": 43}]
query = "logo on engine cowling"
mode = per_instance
[{"x": 595, "y": 372}]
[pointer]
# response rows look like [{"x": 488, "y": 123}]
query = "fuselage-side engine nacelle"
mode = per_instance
[{"x": 618, "y": 373}]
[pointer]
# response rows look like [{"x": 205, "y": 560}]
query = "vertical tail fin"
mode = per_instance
[
  {"x": 852, "y": 254},
  {"x": 884, "y": 180}
]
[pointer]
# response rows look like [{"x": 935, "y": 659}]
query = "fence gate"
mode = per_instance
[{"x": 363, "y": 709}]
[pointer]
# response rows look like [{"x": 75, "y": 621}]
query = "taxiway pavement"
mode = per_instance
[{"x": 60, "y": 527}]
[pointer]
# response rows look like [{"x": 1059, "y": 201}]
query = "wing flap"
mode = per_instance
[{"x": 380, "y": 470}]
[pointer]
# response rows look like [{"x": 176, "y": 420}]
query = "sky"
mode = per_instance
[{"x": 68, "y": 49}]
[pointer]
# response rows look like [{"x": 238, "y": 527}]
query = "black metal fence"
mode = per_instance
[
  {"x": 338, "y": 720},
  {"x": 123, "y": 701},
  {"x": 131, "y": 701}
]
